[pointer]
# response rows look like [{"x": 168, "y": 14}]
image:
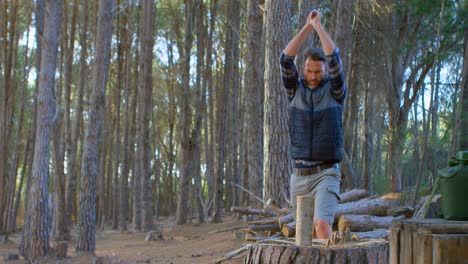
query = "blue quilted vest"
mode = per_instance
[{"x": 315, "y": 126}]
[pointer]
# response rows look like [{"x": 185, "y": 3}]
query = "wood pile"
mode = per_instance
[
  {"x": 357, "y": 214},
  {"x": 362, "y": 225}
]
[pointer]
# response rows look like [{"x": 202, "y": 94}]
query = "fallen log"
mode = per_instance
[
  {"x": 407, "y": 211},
  {"x": 271, "y": 220},
  {"x": 266, "y": 227},
  {"x": 353, "y": 195},
  {"x": 251, "y": 211},
  {"x": 374, "y": 234},
  {"x": 372, "y": 252},
  {"x": 289, "y": 229},
  {"x": 364, "y": 222},
  {"x": 376, "y": 207},
  {"x": 288, "y": 218}
]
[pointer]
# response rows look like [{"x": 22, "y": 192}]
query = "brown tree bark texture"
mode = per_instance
[
  {"x": 364, "y": 222},
  {"x": 36, "y": 232},
  {"x": 372, "y": 251}
]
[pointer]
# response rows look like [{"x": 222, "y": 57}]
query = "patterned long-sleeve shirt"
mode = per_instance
[{"x": 290, "y": 75}]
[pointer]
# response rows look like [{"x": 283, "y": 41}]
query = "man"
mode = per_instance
[{"x": 315, "y": 126}]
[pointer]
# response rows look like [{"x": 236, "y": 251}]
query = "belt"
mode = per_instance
[{"x": 313, "y": 170}]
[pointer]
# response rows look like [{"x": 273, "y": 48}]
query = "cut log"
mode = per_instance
[
  {"x": 288, "y": 218},
  {"x": 353, "y": 195},
  {"x": 407, "y": 211},
  {"x": 374, "y": 234},
  {"x": 378, "y": 207},
  {"x": 365, "y": 222},
  {"x": 289, "y": 229},
  {"x": 304, "y": 221},
  {"x": 251, "y": 211},
  {"x": 271, "y": 220},
  {"x": 268, "y": 227},
  {"x": 371, "y": 251}
]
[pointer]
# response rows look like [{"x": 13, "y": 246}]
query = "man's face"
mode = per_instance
[{"x": 314, "y": 70}]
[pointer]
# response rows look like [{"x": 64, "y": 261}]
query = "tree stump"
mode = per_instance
[{"x": 368, "y": 251}]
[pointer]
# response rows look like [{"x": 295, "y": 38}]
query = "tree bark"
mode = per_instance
[
  {"x": 462, "y": 111},
  {"x": 372, "y": 252},
  {"x": 86, "y": 228},
  {"x": 232, "y": 84},
  {"x": 186, "y": 119},
  {"x": 70, "y": 192},
  {"x": 123, "y": 189},
  {"x": 254, "y": 101},
  {"x": 364, "y": 222},
  {"x": 37, "y": 229},
  {"x": 376, "y": 207},
  {"x": 145, "y": 110},
  {"x": 276, "y": 158},
  {"x": 353, "y": 195}
]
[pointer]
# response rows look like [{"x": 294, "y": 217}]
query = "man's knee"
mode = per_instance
[{"x": 322, "y": 228}]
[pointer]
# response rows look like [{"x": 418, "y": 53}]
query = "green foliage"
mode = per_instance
[{"x": 381, "y": 184}]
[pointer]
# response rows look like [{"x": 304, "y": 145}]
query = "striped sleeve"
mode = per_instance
[
  {"x": 337, "y": 76},
  {"x": 289, "y": 75}
]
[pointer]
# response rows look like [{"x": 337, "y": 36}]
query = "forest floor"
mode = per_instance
[{"x": 181, "y": 244}]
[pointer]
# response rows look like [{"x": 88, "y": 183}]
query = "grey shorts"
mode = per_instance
[{"x": 323, "y": 186}]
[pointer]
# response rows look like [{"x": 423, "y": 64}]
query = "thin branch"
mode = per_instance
[{"x": 247, "y": 191}]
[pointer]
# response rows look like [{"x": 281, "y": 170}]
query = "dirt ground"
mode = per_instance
[{"x": 181, "y": 244}]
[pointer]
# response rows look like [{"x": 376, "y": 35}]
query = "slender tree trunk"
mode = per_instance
[
  {"x": 186, "y": 119},
  {"x": 7, "y": 102},
  {"x": 199, "y": 115},
  {"x": 368, "y": 141},
  {"x": 40, "y": 21},
  {"x": 462, "y": 111},
  {"x": 254, "y": 101},
  {"x": 146, "y": 105},
  {"x": 276, "y": 158},
  {"x": 37, "y": 231},
  {"x": 86, "y": 229},
  {"x": 70, "y": 192},
  {"x": 126, "y": 49},
  {"x": 209, "y": 121},
  {"x": 232, "y": 84}
]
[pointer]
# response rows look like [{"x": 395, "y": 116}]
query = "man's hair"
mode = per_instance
[{"x": 315, "y": 54}]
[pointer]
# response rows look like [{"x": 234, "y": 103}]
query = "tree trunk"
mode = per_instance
[
  {"x": 123, "y": 190},
  {"x": 372, "y": 252},
  {"x": 254, "y": 106},
  {"x": 186, "y": 119},
  {"x": 232, "y": 84},
  {"x": 344, "y": 31},
  {"x": 37, "y": 231},
  {"x": 200, "y": 110},
  {"x": 462, "y": 110},
  {"x": 86, "y": 229},
  {"x": 276, "y": 158},
  {"x": 145, "y": 110},
  {"x": 40, "y": 17},
  {"x": 70, "y": 192}
]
